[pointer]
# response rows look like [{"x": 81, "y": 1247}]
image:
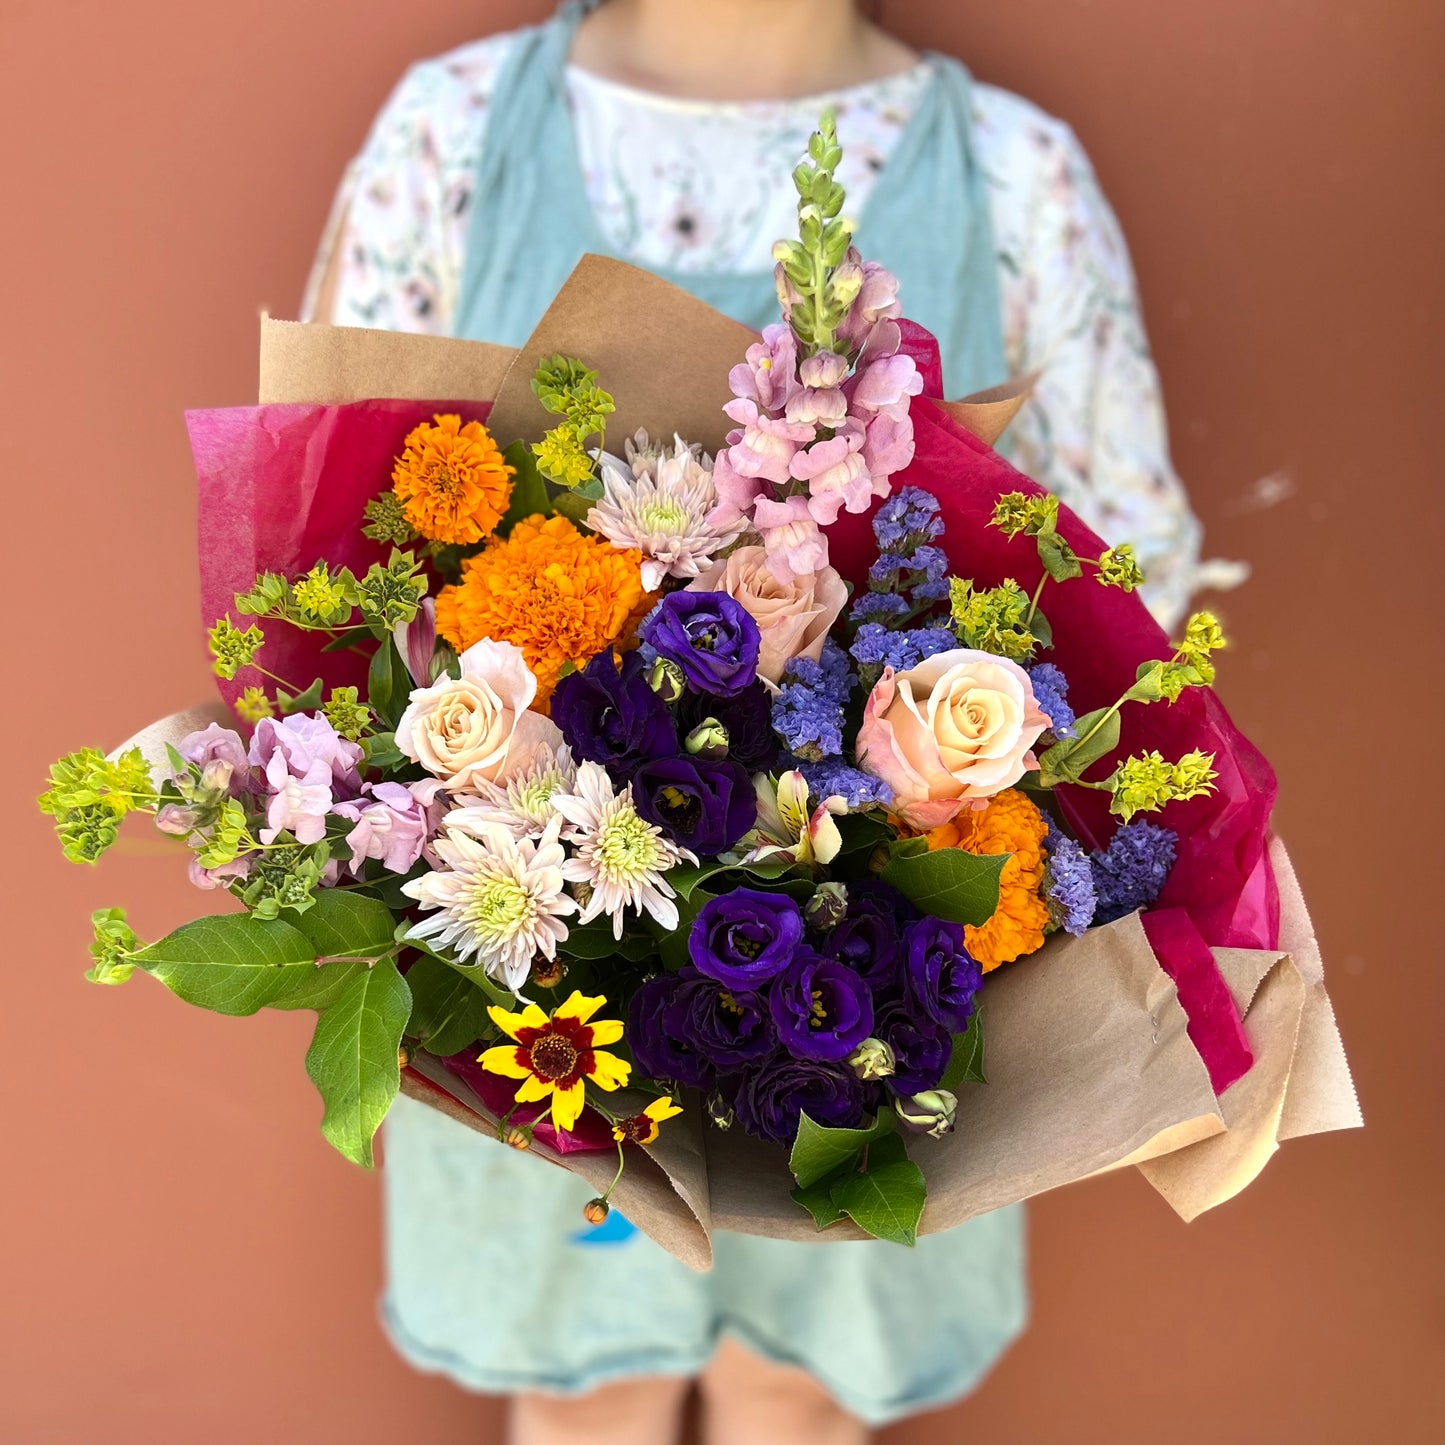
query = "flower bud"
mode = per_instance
[
  {"x": 719, "y": 1111},
  {"x": 403, "y": 1056},
  {"x": 666, "y": 680},
  {"x": 879, "y": 859},
  {"x": 177, "y": 820},
  {"x": 872, "y": 1059},
  {"x": 826, "y": 908},
  {"x": 846, "y": 282},
  {"x": 709, "y": 739},
  {"x": 516, "y": 1138},
  {"x": 596, "y": 1210},
  {"x": 216, "y": 775},
  {"x": 932, "y": 1113},
  {"x": 548, "y": 972}
]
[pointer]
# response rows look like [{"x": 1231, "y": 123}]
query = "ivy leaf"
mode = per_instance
[
  {"x": 965, "y": 1064},
  {"x": 1068, "y": 760},
  {"x": 817, "y": 1199},
  {"x": 887, "y": 1200},
  {"x": 529, "y": 491},
  {"x": 353, "y": 1057},
  {"x": 231, "y": 963},
  {"x": 448, "y": 1010},
  {"x": 819, "y": 1151},
  {"x": 949, "y": 883}
]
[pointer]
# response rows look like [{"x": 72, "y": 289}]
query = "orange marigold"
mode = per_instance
[
  {"x": 452, "y": 482},
  {"x": 559, "y": 596},
  {"x": 1009, "y": 824}
]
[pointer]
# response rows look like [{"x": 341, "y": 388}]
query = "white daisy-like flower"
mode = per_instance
[
  {"x": 658, "y": 501},
  {"x": 620, "y": 858},
  {"x": 498, "y": 897},
  {"x": 523, "y": 804}
]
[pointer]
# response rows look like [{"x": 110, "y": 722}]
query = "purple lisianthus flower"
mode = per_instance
[
  {"x": 821, "y": 1007},
  {"x": 727, "y": 1029},
  {"x": 609, "y": 715},
  {"x": 921, "y": 1047},
  {"x": 769, "y": 1098},
  {"x": 658, "y": 1050},
  {"x": 704, "y": 806},
  {"x": 870, "y": 937},
  {"x": 710, "y": 637},
  {"x": 390, "y": 822},
  {"x": 748, "y": 718},
  {"x": 942, "y": 976},
  {"x": 746, "y": 937}
]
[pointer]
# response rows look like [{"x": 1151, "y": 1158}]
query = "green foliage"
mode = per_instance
[
  {"x": 448, "y": 1009},
  {"x": 348, "y": 716},
  {"x": 865, "y": 1174},
  {"x": 88, "y": 796},
  {"x": 529, "y": 491},
  {"x": 386, "y": 520},
  {"x": 819, "y": 1151},
  {"x": 595, "y": 941},
  {"x": 306, "y": 701},
  {"x": 1119, "y": 568},
  {"x": 388, "y": 683},
  {"x": 948, "y": 883},
  {"x": 353, "y": 1058},
  {"x": 389, "y": 596},
  {"x": 1145, "y": 783},
  {"x": 1015, "y": 514},
  {"x": 568, "y": 389},
  {"x": 965, "y": 1064},
  {"x": 112, "y": 947},
  {"x": 995, "y": 619},
  {"x": 284, "y": 874},
  {"x": 230, "y": 963},
  {"x": 233, "y": 649},
  {"x": 321, "y": 600},
  {"x": 1096, "y": 735}
]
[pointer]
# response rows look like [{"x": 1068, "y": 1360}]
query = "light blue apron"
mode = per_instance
[{"x": 493, "y": 1277}]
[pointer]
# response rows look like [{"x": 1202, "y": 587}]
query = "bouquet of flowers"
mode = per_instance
[{"x": 675, "y": 751}]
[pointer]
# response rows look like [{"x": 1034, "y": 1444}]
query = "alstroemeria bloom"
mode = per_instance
[
  {"x": 554, "y": 1057},
  {"x": 787, "y": 832}
]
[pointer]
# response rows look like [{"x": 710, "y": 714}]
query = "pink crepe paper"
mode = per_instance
[
  {"x": 591, "y": 1133},
  {"x": 1221, "y": 884},
  {"x": 282, "y": 487}
]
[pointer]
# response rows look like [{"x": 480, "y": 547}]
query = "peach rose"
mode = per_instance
[
  {"x": 477, "y": 728},
  {"x": 793, "y": 617},
  {"x": 950, "y": 732}
]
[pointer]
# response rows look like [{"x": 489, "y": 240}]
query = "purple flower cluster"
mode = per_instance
[
  {"x": 769, "y": 1011},
  {"x": 610, "y": 714},
  {"x": 1068, "y": 882},
  {"x": 808, "y": 712},
  {"x": 1132, "y": 871},
  {"x": 1051, "y": 688},
  {"x": 876, "y": 647}
]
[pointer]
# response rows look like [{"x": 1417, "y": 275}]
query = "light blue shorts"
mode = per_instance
[{"x": 495, "y": 1280}]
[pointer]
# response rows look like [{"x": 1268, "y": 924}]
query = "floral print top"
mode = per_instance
[{"x": 706, "y": 186}]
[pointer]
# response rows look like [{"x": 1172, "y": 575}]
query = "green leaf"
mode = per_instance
[
  {"x": 231, "y": 963},
  {"x": 949, "y": 883},
  {"x": 819, "y": 1151},
  {"x": 595, "y": 940},
  {"x": 1059, "y": 559},
  {"x": 965, "y": 1064},
  {"x": 862, "y": 832},
  {"x": 307, "y": 701},
  {"x": 448, "y": 1010},
  {"x": 1067, "y": 761},
  {"x": 529, "y": 491},
  {"x": 684, "y": 879},
  {"x": 575, "y": 508},
  {"x": 353, "y": 1057},
  {"x": 382, "y": 752},
  {"x": 888, "y": 1199},
  {"x": 388, "y": 683},
  {"x": 473, "y": 973},
  {"x": 352, "y": 638},
  {"x": 817, "y": 1199},
  {"x": 340, "y": 927}
]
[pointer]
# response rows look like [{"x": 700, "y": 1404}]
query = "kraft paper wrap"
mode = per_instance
[{"x": 1089, "y": 1064}]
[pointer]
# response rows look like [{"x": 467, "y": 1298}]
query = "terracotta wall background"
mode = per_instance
[{"x": 184, "y": 1258}]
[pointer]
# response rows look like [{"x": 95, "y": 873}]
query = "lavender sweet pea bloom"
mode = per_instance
[
  {"x": 710, "y": 637},
  {"x": 609, "y": 715},
  {"x": 726, "y": 1029},
  {"x": 746, "y": 937},
  {"x": 390, "y": 823},
  {"x": 221, "y": 751},
  {"x": 703, "y": 806},
  {"x": 305, "y": 739},
  {"x": 769, "y": 1098},
  {"x": 822, "y": 1009},
  {"x": 921, "y": 1048},
  {"x": 943, "y": 977},
  {"x": 658, "y": 1051}
]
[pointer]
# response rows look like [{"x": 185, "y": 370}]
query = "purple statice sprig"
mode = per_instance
[
  {"x": 875, "y": 648},
  {"x": 1132, "y": 871},
  {"x": 910, "y": 576},
  {"x": 1051, "y": 689},
  {"x": 1068, "y": 882},
  {"x": 809, "y": 710}
]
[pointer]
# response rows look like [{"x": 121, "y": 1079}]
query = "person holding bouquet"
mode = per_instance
[{"x": 665, "y": 135}]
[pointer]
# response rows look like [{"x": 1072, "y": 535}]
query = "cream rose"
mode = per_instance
[
  {"x": 793, "y": 617},
  {"x": 954, "y": 730},
  {"x": 477, "y": 728}
]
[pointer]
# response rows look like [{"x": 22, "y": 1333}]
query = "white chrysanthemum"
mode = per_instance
[
  {"x": 523, "y": 804},
  {"x": 498, "y": 897},
  {"x": 620, "y": 858},
  {"x": 658, "y": 501}
]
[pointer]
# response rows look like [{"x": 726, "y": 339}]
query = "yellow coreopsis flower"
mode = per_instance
[
  {"x": 554, "y": 1057},
  {"x": 642, "y": 1128}
]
